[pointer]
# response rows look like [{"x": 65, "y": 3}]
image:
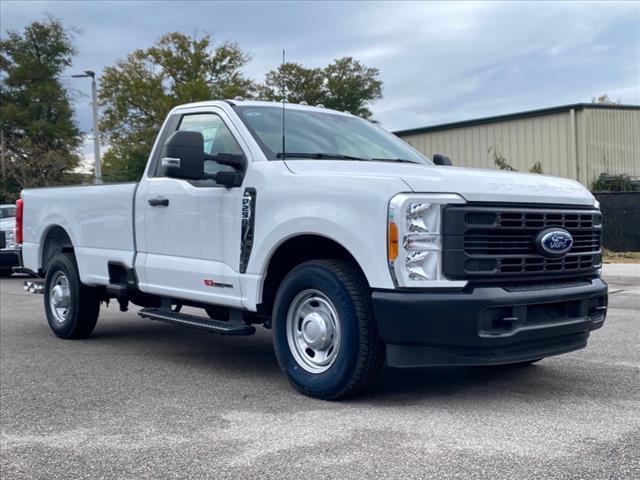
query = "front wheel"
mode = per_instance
[
  {"x": 324, "y": 333},
  {"x": 72, "y": 308}
]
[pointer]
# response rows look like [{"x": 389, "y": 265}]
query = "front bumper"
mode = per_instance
[{"x": 488, "y": 325}]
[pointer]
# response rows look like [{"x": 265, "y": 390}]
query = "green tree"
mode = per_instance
[
  {"x": 40, "y": 138},
  {"x": 345, "y": 85},
  {"x": 137, "y": 93},
  {"x": 301, "y": 84},
  {"x": 351, "y": 85}
]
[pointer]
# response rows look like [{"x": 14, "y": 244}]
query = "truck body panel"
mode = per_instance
[
  {"x": 179, "y": 244},
  {"x": 475, "y": 185},
  {"x": 98, "y": 220},
  {"x": 330, "y": 206}
]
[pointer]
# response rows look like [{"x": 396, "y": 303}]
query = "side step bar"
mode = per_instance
[{"x": 215, "y": 326}]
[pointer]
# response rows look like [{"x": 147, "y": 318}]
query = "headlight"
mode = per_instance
[{"x": 415, "y": 240}]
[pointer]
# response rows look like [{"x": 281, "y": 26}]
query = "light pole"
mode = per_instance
[{"x": 96, "y": 130}]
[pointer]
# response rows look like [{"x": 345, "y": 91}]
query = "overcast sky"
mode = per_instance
[{"x": 439, "y": 62}]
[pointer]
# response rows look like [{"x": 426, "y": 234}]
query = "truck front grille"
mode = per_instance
[{"x": 490, "y": 241}]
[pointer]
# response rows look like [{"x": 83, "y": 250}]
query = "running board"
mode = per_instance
[{"x": 215, "y": 326}]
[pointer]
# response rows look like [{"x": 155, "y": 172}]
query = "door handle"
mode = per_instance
[{"x": 159, "y": 202}]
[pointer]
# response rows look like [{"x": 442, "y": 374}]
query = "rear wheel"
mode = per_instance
[
  {"x": 72, "y": 308},
  {"x": 324, "y": 332}
]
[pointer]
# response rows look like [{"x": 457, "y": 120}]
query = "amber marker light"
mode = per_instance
[{"x": 393, "y": 242}]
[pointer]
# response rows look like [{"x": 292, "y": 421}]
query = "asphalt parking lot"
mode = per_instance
[{"x": 142, "y": 399}]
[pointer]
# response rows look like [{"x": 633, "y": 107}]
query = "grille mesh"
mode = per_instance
[
  {"x": 501, "y": 241},
  {"x": 496, "y": 242}
]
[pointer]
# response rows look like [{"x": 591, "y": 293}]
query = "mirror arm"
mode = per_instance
[
  {"x": 228, "y": 179},
  {"x": 228, "y": 159}
]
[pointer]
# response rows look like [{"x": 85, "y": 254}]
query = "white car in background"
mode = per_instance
[{"x": 8, "y": 254}]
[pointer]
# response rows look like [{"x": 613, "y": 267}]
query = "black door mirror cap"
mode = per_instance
[
  {"x": 187, "y": 149},
  {"x": 442, "y": 160}
]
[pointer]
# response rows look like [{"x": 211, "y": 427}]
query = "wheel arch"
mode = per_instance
[
  {"x": 55, "y": 239},
  {"x": 293, "y": 251}
]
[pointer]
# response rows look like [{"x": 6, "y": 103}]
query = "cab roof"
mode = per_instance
[{"x": 259, "y": 103}]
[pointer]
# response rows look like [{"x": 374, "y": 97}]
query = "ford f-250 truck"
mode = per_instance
[{"x": 350, "y": 245}]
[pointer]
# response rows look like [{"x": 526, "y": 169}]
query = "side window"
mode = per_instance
[{"x": 217, "y": 138}]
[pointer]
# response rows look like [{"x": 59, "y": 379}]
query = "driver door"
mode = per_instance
[{"x": 190, "y": 246}]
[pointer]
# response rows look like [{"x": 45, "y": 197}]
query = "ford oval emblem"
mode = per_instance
[{"x": 554, "y": 242}]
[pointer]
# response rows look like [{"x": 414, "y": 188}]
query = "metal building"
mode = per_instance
[{"x": 578, "y": 141}]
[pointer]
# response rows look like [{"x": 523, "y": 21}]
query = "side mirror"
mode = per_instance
[
  {"x": 183, "y": 155},
  {"x": 230, "y": 159},
  {"x": 440, "y": 159}
]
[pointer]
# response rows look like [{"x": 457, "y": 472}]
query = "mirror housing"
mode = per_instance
[
  {"x": 183, "y": 155},
  {"x": 442, "y": 160}
]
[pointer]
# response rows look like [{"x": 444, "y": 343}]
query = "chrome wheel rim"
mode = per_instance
[
  {"x": 313, "y": 331},
  {"x": 60, "y": 297}
]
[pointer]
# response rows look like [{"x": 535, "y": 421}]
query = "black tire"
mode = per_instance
[
  {"x": 5, "y": 273},
  {"x": 361, "y": 352},
  {"x": 83, "y": 305},
  {"x": 526, "y": 363}
]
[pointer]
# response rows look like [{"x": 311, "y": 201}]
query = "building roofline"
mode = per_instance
[{"x": 514, "y": 116}]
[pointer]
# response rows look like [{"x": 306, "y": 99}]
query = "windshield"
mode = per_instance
[
  {"x": 323, "y": 135},
  {"x": 7, "y": 212}
]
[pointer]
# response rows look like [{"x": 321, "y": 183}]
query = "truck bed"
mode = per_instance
[{"x": 98, "y": 218}]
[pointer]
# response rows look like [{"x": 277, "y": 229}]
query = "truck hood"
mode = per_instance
[{"x": 474, "y": 184}]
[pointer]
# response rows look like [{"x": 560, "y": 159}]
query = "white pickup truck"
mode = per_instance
[
  {"x": 8, "y": 257},
  {"x": 350, "y": 245}
]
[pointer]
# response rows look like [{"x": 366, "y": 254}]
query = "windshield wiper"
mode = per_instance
[
  {"x": 398, "y": 160},
  {"x": 339, "y": 156},
  {"x": 332, "y": 156}
]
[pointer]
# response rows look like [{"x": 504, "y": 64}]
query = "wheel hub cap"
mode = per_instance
[
  {"x": 313, "y": 331},
  {"x": 316, "y": 331},
  {"x": 59, "y": 297}
]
